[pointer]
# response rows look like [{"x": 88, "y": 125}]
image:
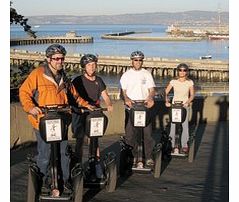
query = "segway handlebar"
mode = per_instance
[
  {"x": 55, "y": 108},
  {"x": 138, "y": 101},
  {"x": 67, "y": 109},
  {"x": 177, "y": 104},
  {"x": 84, "y": 110}
]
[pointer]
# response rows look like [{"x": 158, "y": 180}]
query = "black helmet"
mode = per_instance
[
  {"x": 136, "y": 54},
  {"x": 87, "y": 59},
  {"x": 54, "y": 49},
  {"x": 183, "y": 65}
]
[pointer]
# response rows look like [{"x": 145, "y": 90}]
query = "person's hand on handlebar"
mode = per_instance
[
  {"x": 90, "y": 107},
  {"x": 35, "y": 111},
  {"x": 167, "y": 104},
  {"x": 109, "y": 108},
  {"x": 186, "y": 104},
  {"x": 149, "y": 102},
  {"x": 128, "y": 102}
]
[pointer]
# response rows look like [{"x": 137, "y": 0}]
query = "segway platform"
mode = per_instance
[
  {"x": 173, "y": 154},
  {"x": 141, "y": 170},
  {"x": 46, "y": 196},
  {"x": 51, "y": 198},
  {"x": 94, "y": 184}
]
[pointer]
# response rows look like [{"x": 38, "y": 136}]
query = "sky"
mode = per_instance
[{"x": 113, "y": 7}]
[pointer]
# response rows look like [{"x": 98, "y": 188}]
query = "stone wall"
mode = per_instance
[{"x": 203, "y": 109}]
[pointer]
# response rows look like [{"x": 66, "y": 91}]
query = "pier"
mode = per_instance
[
  {"x": 163, "y": 67},
  {"x": 220, "y": 32},
  {"x": 70, "y": 37}
]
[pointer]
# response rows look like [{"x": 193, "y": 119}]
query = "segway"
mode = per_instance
[
  {"x": 178, "y": 115},
  {"x": 96, "y": 124},
  {"x": 53, "y": 129},
  {"x": 139, "y": 117}
]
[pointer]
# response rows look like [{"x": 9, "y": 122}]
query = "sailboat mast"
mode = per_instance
[{"x": 219, "y": 19}]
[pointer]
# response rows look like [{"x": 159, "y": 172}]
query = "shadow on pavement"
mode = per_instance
[{"x": 219, "y": 155}]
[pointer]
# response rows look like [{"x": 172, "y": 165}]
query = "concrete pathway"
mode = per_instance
[{"x": 204, "y": 180}]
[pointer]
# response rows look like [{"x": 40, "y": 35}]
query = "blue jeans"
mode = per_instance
[{"x": 43, "y": 157}]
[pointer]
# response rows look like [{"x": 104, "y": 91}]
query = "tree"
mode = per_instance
[{"x": 19, "y": 19}]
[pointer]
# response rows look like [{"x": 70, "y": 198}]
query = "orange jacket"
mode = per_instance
[{"x": 40, "y": 89}]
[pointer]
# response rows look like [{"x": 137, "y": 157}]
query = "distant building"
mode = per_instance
[{"x": 71, "y": 34}]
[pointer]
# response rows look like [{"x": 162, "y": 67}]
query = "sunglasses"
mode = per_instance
[
  {"x": 182, "y": 70},
  {"x": 57, "y": 59},
  {"x": 138, "y": 60}
]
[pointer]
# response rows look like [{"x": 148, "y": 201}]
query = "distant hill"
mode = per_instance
[{"x": 191, "y": 18}]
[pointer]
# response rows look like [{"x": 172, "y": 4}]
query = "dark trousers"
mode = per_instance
[
  {"x": 134, "y": 139},
  {"x": 78, "y": 130}
]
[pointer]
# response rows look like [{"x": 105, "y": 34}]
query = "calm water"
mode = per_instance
[{"x": 218, "y": 49}]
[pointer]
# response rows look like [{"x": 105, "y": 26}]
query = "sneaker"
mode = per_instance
[
  {"x": 140, "y": 165},
  {"x": 67, "y": 188},
  {"x": 45, "y": 186},
  {"x": 185, "y": 150},
  {"x": 175, "y": 150},
  {"x": 45, "y": 189},
  {"x": 98, "y": 171},
  {"x": 150, "y": 162}
]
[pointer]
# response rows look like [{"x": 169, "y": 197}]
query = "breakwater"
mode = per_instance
[
  {"x": 124, "y": 36},
  {"x": 163, "y": 67}
]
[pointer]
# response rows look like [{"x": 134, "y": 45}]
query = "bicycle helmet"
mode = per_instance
[
  {"x": 183, "y": 65},
  {"x": 87, "y": 59},
  {"x": 136, "y": 54},
  {"x": 54, "y": 49}
]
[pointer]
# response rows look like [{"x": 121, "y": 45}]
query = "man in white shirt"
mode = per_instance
[{"x": 137, "y": 84}]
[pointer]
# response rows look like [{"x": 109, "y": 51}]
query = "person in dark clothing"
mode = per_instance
[{"x": 91, "y": 88}]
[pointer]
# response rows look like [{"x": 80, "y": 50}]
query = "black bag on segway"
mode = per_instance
[
  {"x": 53, "y": 127},
  {"x": 139, "y": 115},
  {"x": 177, "y": 114},
  {"x": 96, "y": 124}
]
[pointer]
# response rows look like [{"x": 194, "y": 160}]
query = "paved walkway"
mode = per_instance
[{"x": 206, "y": 179}]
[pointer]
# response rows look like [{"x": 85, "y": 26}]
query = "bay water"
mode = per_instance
[{"x": 218, "y": 49}]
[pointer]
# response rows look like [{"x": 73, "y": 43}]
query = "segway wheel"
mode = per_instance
[
  {"x": 158, "y": 164},
  {"x": 77, "y": 183},
  {"x": 111, "y": 173},
  {"x": 32, "y": 186},
  {"x": 78, "y": 192},
  {"x": 126, "y": 163},
  {"x": 191, "y": 151}
]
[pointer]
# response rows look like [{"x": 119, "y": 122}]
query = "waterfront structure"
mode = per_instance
[
  {"x": 70, "y": 37},
  {"x": 205, "y": 32},
  {"x": 124, "y": 36},
  {"x": 199, "y": 69},
  {"x": 218, "y": 36}
]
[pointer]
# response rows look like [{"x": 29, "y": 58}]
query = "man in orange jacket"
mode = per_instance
[{"x": 48, "y": 85}]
